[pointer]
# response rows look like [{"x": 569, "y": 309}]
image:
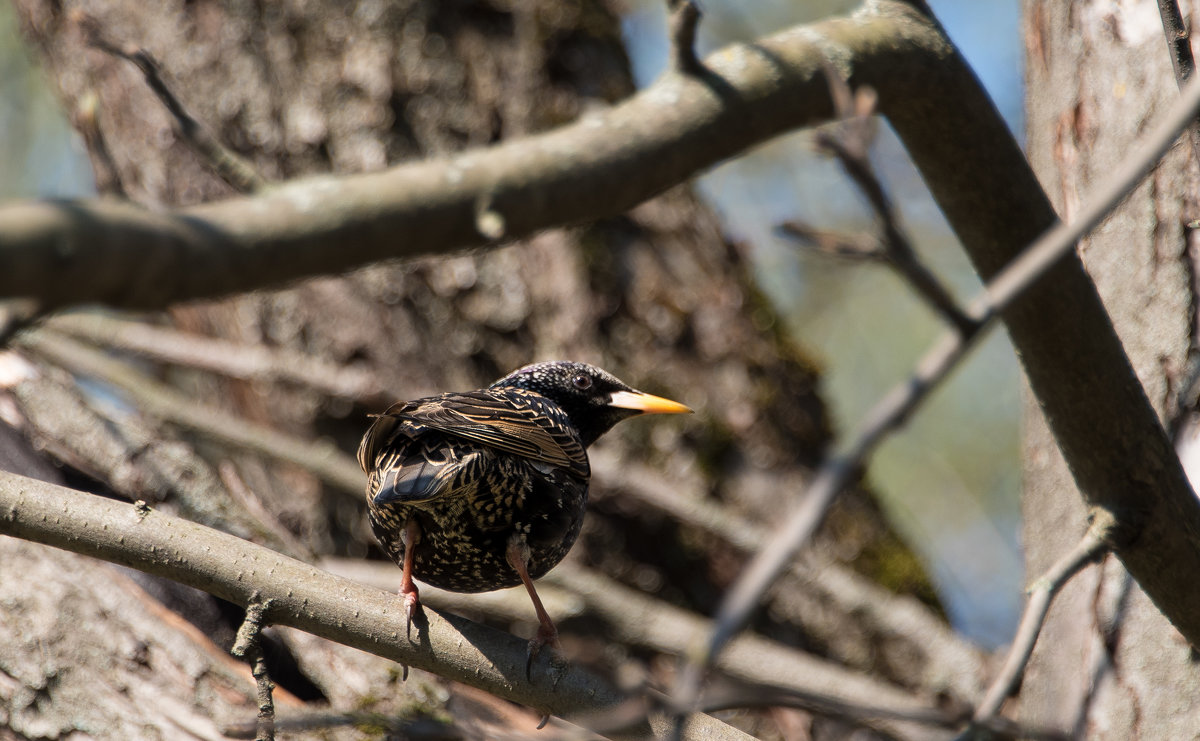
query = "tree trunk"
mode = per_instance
[{"x": 1108, "y": 665}]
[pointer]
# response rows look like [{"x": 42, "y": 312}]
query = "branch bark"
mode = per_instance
[
  {"x": 300, "y": 595},
  {"x": 125, "y": 255}
]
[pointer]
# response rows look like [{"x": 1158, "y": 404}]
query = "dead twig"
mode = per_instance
[
  {"x": 1090, "y": 548},
  {"x": 232, "y": 168},
  {"x": 683, "y": 20},
  {"x": 849, "y": 141},
  {"x": 248, "y": 646},
  {"x": 1179, "y": 43}
]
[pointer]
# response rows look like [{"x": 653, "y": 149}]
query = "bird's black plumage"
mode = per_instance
[{"x": 492, "y": 483}]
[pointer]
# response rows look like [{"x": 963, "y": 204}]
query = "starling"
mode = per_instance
[{"x": 486, "y": 489}]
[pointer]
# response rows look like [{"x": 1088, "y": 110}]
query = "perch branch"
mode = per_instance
[
  {"x": 1090, "y": 548},
  {"x": 234, "y": 170},
  {"x": 301, "y": 596},
  {"x": 999, "y": 293},
  {"x": 633, "y": 618}
]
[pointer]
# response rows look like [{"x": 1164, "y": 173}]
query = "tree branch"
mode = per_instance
[
  {"x": 1090, "y": 548},
  {"x": 301, "y": 596},
  {"x": 236, "y": 360},
  {"x": 81, "y": 251},
  {"x": 248, "y": 646},
  {"x": 1179, "y": 44},
  {"x": 1132, "y": 512},
  {"x": 233, "y": 169},
  {"x": 322, "y": 458}
]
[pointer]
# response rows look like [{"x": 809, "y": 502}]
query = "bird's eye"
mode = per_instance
[{"x": 582, "y": 382}]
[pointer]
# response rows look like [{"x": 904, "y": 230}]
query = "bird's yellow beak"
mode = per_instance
[{"x": 646, "y": 403}]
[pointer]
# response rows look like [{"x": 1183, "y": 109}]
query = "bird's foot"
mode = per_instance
[
  {"x": 412, "y": 604},
  {"x": 547, "y": 636}
]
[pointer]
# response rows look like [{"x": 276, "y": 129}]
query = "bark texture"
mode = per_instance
[{"x": 1109, "y": 665}]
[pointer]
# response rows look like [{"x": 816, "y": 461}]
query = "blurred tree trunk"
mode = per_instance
[
  {"x": 1109, "y": 665},
  {"x": 656, "y": 296}
]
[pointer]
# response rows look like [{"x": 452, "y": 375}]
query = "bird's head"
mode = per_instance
[{"x": 593, "y": 399}]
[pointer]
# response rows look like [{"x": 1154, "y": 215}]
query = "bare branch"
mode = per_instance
[
  {"x": 70, "y": 252},
  {"x": 322, "y": 458},
  {"x": 849, "y": 142},
  {"x": 740, "y": 601},
  {"x": 861, "y": 246},
  {"x": 1179, "y": 43},
  {"x": 937, "y": 659},
  {"x": 248, "y": 646},
  {"x": 233, "y": 169},
  {"x": 1090, "y": 548},
  {"x": 301, "y": 596},
  {"x": 684, "y": 18},
  {"x": 249, "y": 362},
  {"x": 633, "y": 618}
]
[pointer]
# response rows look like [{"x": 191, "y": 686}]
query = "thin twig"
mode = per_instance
[
  {"x": 322, "y": 458},
  {"x": 248, "y": 646},
  {"x": 684, "y": 18},
  {"x": 232, "y": 168},
  {"x": 855, "y": 246},
  {"x": 232, "y": 359},
  {"x": 740, "y": 601},
  {"x": 1179, "y": 44},
  {"x": 86, "y": 118},
  {"x": 849, "y": 142},
  {"x": 1089, "y": 549}
]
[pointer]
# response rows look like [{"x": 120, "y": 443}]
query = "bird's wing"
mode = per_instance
[{"x": 514, "y": 421}]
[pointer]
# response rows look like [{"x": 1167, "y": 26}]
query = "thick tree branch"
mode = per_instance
[
  {"x": 300, "y": 595},
  {"x": 118, "y": 253}
]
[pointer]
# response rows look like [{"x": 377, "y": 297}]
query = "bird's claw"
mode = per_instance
[
  {"x": 412, "y": 603},
  {"x": 558, "y": 663}
]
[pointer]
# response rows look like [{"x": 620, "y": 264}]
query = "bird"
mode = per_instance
[{"x": 479, "y": 490}]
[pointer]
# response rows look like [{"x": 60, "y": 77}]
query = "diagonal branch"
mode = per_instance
[
  {"x": 999, "y": 294},
  {"x": 322, "y": 458},
  {"x": 1179, "y": 43},
  {"x": 301, "y": 596},
  {"x": 232, "y": 168}
]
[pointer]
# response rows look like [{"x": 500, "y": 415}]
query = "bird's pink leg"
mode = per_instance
[
  {"x": 517, "y": 555},
  {"x": 408, "y": 588}
]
